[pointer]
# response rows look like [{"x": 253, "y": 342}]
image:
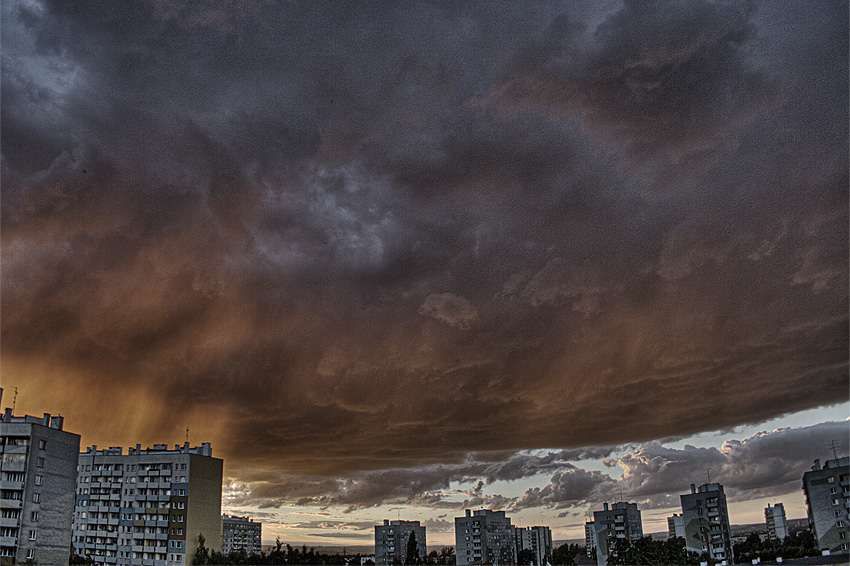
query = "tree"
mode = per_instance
[
  {"x": 566, "y": 553},
  {"x": 202, "y": 554},
  {"x": 526, "y": 556},
  {"x": 412, "y": 556}
]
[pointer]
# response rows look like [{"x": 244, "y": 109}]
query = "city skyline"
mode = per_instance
[{"x": 399, "y": 260}]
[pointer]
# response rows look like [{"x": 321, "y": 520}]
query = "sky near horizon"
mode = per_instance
[{"x": 400, "y": 259}]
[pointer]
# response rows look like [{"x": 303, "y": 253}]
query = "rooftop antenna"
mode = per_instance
[
  {"x": 14, "y": 399},
  {"x": 831, "y": 445},
  {"x": 708, "y": 473},
  {"x": 187, "y": 434}
]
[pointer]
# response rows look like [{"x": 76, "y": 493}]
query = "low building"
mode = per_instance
[
  {"x": 38, "y": 467},
  {"x": 777, "y": 526},
  {"x": 536, "y": 539},
  {"x": 392, "y": 538},
  {"x": 621, "y": 521},
  {"x": 149, "y": 506},
  {"x": 241, "y": 534},
  {"x": 484, "y": 537},
  {"x": 827, "y": 492},
  {"x": 706, "y": 521}
]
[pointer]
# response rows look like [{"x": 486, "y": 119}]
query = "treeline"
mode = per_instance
[{"x": 797, "y": 545}]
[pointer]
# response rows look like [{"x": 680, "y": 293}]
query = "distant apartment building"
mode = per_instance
[
  {"x": 149, "y": 506},
  {"x": 536, "y": 539},
  {"x": 827, "y": 492},
  {"x": 241, "y": 534},
  {"x": 706, "y": 522},
  {"x": 590, "y": 539},
  {"x": 774, "y": 517},
  {"x": 38, "y": 467},
  {"x": 392, "y": 538},
  {"x": 675, "y": 526},
  {"x": 484, "y": 537},
  {"x": 621, "y": 521}
]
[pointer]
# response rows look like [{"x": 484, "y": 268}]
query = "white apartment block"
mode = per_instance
[
  {"x": 241, "y": 534},
  {"x": 827, "y": 492},
  {"x": 38, "y": 466},
  {"x": 538, "y": 540},
  {"x": 621, "y": 521},
  {"x": 147, "y": 507},
  {"x": 484, "y": 536},
  {"x": 774, "y": 517},
  {"x": 706, "y": 521},
  {"x": 392, "y": 538}
]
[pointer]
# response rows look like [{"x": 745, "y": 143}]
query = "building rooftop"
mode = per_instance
[{"x": 204, "y": 449}]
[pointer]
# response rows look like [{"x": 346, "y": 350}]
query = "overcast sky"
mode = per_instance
[{"x": 433, "y": 255}]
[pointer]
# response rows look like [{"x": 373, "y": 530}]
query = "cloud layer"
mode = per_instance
[{"x": 346, "y": 240}]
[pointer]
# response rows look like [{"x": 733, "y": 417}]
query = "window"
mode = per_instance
[
  {"x": 34, "y": 516},
  {"x": 833, "y": 490},
  {"x": 834, "y": 501},
  {"x": 40, "y": 462},
  {"x": 183, "y": 492},
  {"x": 32, "y": 535},
  {"x": 36, "y": 498},
  {"x": 30, "y": 554},
  {"x": 830, "y": 479},
  {"x": 42, "y": 444},
  {"x": 39, "y": 480}
]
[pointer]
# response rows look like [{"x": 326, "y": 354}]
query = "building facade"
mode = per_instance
[
  {"x": 675, "y": 526},
  {"x": 241, "y": 534},
  {"x": 590, "y": 539},
  {"x": 536, "y": 539},
  {"x": 706, "y": 522},
  {"x": 392, "y": 538},
  {"x": 38, "y": 468},
  {"x": 774, "y": 517},
  {"x": 621, "y": 521},
  {"x": 827, "y": 490},
  {"x": 149, "y": 506},
  {"x": 484, "y": 537}
]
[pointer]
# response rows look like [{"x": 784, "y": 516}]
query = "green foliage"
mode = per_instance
[
  {"x": 412, "y": 556},
  {"x": 526, "y": 557},
  {"x": 645, "y": 551},
  {"x": 566, "y": 553},
  {"x": 444, "y": 557},
  {"x": 202, "y": 554},
  {"x": 797, "y": 545}
]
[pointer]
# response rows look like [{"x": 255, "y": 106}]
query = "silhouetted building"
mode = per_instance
[
  {"x": 536, "y": 539},
  {"x": 392, "y": 538},
  {"x": 827, "y": 492},
  {"x": 241, "y": 534},
  {"x": 774, "y": 517},
  {"x": 38, "y": 466},
  {"x": 484, "y": 536},
  {"x": 621, "y": 521},
  {"x": 147, "y": 507},
  {"x": 706, "y": 522},
  {"x": 675, "y": 526}
]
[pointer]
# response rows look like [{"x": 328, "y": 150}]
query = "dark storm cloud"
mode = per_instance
[{"x": 352, "y": 241}]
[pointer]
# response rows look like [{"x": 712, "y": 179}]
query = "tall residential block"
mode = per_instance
[
  {"x": 241, "y": 534},
  {"x": 706, "y": 522},
  {"x": 38, "y": 468},
  {"x": 621, "y": 521},
  {"x": 827, "y": 492},
  {"x": 675, "y": 526},
  {"x": 149, "y": 506},
  {"x": 536, "y": 539},
  {"x": 774, "y": 517},
  {"x": 392, "y": 538},
  {"x": 484, "y": 536},
  {"x": 590, "y": 539}
]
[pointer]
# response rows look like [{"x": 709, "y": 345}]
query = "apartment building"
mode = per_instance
[
  {"x": 241, "y": 534},
  {"x": 484, "y": 537},
  {"x": 706, "y": 522},
  {"x": 590, "y": 539},
  {"x": 774, "y": 517},
  {"x": 621, "y": 521},
  {"x": 149, "y": 506},
  {"x": 392, "y": 538},
  {"x": 675, "y": 526},
  {"x": 827, "y": 490},
  {"x": 536, "y": 539},
  {"x": 38, "y": 467}
]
